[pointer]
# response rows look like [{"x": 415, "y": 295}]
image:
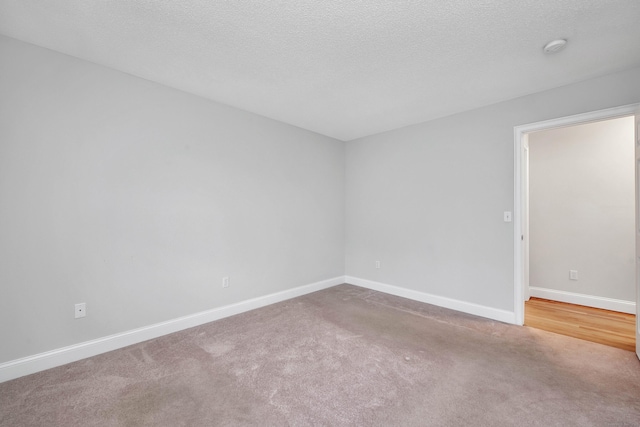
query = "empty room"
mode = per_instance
[{"x": 301, "y": 213}]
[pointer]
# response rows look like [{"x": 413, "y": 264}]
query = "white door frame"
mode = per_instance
[{"x": 520, "y": 139}]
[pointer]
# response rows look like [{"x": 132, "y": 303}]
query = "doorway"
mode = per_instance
[{"x": 521, "y": 214}]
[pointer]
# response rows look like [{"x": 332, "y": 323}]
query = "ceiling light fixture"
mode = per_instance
[{"x": 554, "y": 46}]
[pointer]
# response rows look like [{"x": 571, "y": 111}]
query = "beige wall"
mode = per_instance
[{"x": 582, "y": 209}]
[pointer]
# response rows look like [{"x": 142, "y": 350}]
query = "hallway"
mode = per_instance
[{"x": 592, "y": 324}]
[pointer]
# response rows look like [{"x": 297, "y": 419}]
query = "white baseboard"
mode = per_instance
[
  {"x": 50, "y": 359},
  {"x": 581, "y": 299},
  {"x": 465, "y": 307}
]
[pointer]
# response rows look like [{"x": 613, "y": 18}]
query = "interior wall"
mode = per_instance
[
  {"x": 137, "y": 199},
  {"x": 582, "y": 209},
  {"x": 428, "y": 200}
]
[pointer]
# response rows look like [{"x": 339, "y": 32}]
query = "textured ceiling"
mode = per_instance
[{"x": 343, "y": 68}]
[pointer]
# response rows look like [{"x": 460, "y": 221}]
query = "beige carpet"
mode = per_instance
[{"x": 343, "y": 356}]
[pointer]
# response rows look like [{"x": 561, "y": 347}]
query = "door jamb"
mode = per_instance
[{"x": 518, "y": 209}]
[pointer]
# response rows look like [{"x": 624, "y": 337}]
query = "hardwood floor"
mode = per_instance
[{"x": 592, "y": 324}]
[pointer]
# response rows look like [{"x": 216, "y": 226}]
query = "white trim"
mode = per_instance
[
  {"x": 621, "y": 306},
  {"x": 61, "y": 356},
  {"x": 519, "y": 132},
  {"x": 463, "y": 306}
]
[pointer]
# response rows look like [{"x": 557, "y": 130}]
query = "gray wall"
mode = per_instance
[
  {"x": 137, "y": 199},
  {"x": 428, "y": 200},
  {"x": 582, "y": 209}
]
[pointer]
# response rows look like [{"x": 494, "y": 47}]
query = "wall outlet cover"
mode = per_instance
[{"x": 80, "y": 310}]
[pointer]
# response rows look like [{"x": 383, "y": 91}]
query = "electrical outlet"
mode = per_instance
[
  {"x": 573, "y": 274},
  {"x": 377, "y": 264},
  {"x": 81, "y": 310},
  {"x": 225, "y": 282}
]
